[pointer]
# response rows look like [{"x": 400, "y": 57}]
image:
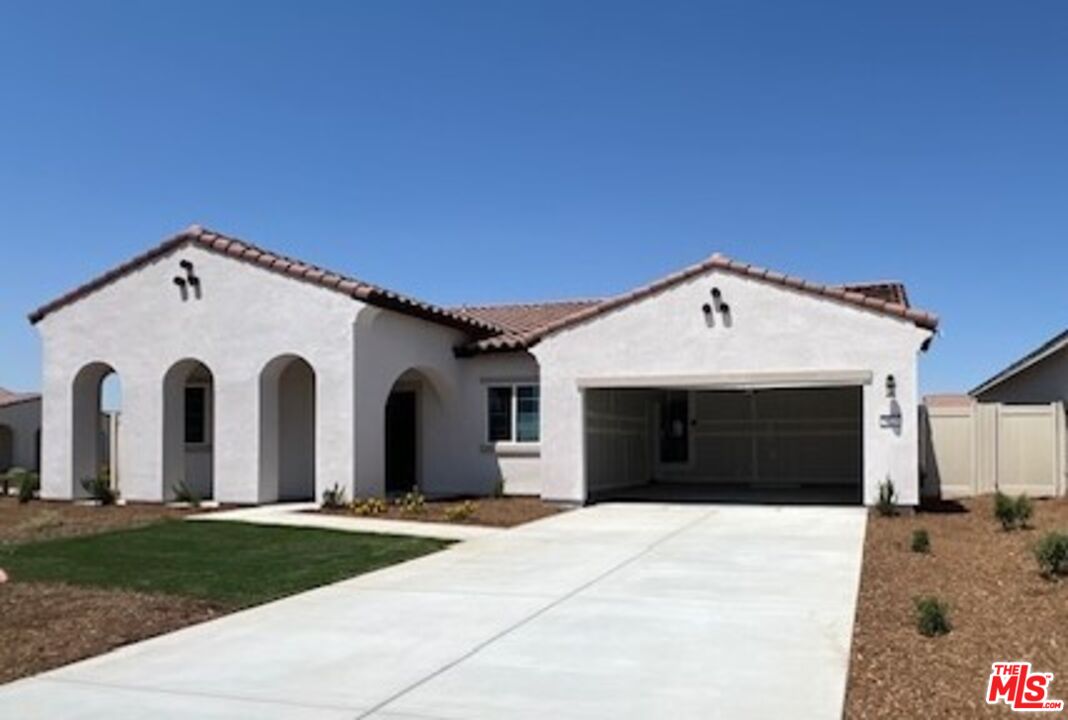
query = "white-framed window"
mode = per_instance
[{"x": 513, "y": 413}]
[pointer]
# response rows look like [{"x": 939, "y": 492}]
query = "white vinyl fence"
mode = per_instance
[{"x": 977, "y": 448}]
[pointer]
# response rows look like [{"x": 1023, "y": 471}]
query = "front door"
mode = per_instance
[{"x": 400, "y": 442}]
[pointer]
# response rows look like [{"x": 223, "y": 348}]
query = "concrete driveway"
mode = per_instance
[{"x": 614, "y": 611}]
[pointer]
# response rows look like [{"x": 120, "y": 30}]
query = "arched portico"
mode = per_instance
[
  {"x": 287, "y": 455},
  {"x": 188, "y": 430},
  {"x": 91, "y": 445}
]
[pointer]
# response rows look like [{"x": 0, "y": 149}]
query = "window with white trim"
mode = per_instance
[{"x": 513, "y": 413}]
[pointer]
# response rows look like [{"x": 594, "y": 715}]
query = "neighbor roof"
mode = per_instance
[
  {"x": 525, "y": 325},
  {"x": 8, "y": 397},
  {"x": 247, "y": 252},
  {"x": 1054, "y": 345}
]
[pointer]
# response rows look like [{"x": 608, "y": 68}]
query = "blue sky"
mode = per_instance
[{"x": 498, "y": 151}]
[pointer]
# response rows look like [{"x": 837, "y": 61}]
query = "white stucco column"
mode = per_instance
[
  {"x": 56, "y": 429},
  {"x": 140, "y": 442},
  {"x": 335, "y": 428},
  {"x": 236, "y": 448}
]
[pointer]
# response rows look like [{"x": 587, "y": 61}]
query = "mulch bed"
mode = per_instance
[
  {"x": 43, "y": 520},
  {"x": 44, "y": 625},
  {"x": 1000, "y": 608},
  {"x": 494, "y": 512}
]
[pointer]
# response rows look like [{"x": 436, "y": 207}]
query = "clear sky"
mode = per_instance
[{"x": 500, "y": 151}]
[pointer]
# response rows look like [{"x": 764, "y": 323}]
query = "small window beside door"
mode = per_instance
[{"x": 513, "y": 413}]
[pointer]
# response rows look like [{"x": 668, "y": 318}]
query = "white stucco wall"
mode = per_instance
[
  {"x": 666, "y": 338},
  {"x": 453, "y": 456},
  {"x": 141, "y": 326},
  {"x": 24, "y": 420}
]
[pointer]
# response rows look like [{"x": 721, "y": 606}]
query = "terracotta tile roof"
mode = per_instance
[
  {"x": 7, "y": 397},
  {"x": 885, "y": 298},
  {"x": 247, "y": 252},
  {"x": 520, "y": 318},
  {"x": 890, "y": 291}
]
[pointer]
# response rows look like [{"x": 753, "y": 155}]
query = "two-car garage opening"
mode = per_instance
[{"x": 775, "y": 445}]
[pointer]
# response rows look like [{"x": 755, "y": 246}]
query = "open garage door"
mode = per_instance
[{"x": 797, "y": 445}]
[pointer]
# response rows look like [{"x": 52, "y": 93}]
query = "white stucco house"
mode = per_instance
[
  {"x": 20, "y": 430},
  {"x": 254, "y": 378}
]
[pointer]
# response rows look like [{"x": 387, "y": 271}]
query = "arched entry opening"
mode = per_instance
[
  {"x": 287, "y": 430},
  {"x": 411, "y": 408},
  {"x": 7, "y": 448},
  {"x": 188, "y": 431},
  {"x": 96, "y": 401}
]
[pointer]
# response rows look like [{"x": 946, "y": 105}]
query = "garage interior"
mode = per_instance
[{"x": 761, "y": 445}]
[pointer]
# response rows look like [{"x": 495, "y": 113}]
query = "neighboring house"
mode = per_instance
[
  {"x": 20, "y": 430},
  {"x": 258, "y": 378},
  {"x": 1041, "y": 376}
]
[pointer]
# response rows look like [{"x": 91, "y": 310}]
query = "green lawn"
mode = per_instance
[{"x": 233, "y": 564}]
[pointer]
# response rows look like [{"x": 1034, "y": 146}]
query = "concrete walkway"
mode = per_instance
[
  {"x": 614, "y": 611},
  {"x": 296, "y": 515}
]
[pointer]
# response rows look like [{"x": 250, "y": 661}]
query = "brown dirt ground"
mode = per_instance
[
  {"x": 1000, "y": 609},
  {"x": 44, "y": 625},
  {"x": 494, "y": 512},
  {"x": 42, "y": 520}
]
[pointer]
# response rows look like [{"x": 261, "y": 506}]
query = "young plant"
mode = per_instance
[
  {"x": 932, "y": 616},
  {"x": 1051, "y": 552},
  {"x": 921, "y": 541},
  {"x": 100, "y": 489},
  {"x": 369, "y": 506},
  {"x": 334, "y": 497},
  {"x": 461, "y": 512},
  {"x": 1012, "y": 513},
  {"x": 29, "y": 485},
  {"x": 887, "y": 504},
  {"x": 12, "y": 477},
  {"x": 185, "y": 494},
  {"x": 413, "y": 502},
  {"x": 1024, "y": 510}
]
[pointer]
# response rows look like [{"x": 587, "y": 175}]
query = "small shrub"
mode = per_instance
[
  {"x": 887, "y": 504},
  {"x": 369, "y": 506},
  {"x": 932, "y": 616},
  {"x": 1051, "y": 552},
  {"x": 100, "y": 489},
  {"x": 921, "y": 541},
  {"x": 1024, "y": 510},
  {"x": 461, "y": 512},
  {"x": 413, "y": 502},
  {"x": 1012, "y": 513},
  {"x": 13, "y": 476},
  {"x": 1004, "y": 510},
  {"x": 29, "y": 485},
  {"x": 334, "y": 497},
  {"x": 185, "y": 494}
]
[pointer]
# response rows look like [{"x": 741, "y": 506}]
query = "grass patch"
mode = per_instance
[{"x": 233, "y": 564}]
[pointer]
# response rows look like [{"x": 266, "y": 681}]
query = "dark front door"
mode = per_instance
[{"x": 400, "y": 442}]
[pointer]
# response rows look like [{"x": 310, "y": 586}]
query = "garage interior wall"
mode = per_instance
[
  {"x": 772, "y": 437},
  {"x": 619, "y": 441},
  {"x": 808, "y": 436}
]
